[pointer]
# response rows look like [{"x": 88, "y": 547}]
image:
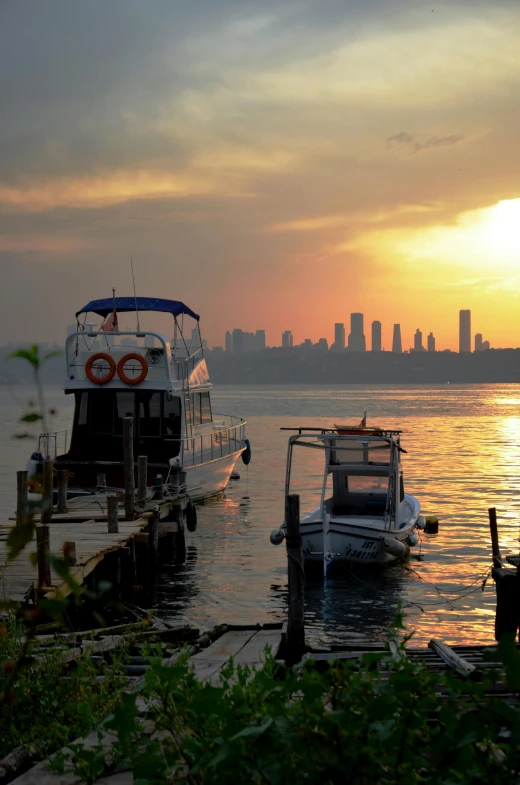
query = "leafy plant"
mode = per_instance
[{"x": 384, "y": 721}]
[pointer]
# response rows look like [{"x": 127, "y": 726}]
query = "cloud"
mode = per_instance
[{"x": 433, "y": 142}]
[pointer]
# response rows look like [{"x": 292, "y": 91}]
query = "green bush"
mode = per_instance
[
  {"x": 45, "y": 705},
  {"x": 356, "y": 724}
]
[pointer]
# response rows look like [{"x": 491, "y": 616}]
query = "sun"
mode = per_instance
[{"x": 501, "y": 227}]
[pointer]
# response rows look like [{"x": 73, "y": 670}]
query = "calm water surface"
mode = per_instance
[{"x": 463, "y": 456}]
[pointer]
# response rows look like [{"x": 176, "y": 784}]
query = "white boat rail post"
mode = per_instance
[{"x": 330, "y": 455}]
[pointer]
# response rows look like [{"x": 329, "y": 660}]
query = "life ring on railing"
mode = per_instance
[
  {"x": 246, "y": 454},
  {"x": 121, "y": 368},
  {"x": 111, "y": 368}
]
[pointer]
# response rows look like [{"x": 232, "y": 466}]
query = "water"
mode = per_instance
[{"x": 463, "y": 456}]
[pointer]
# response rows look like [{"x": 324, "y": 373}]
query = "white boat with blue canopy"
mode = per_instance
[
  {"x": 164, "y": 385},
  {"x": 364, "y": 515}
]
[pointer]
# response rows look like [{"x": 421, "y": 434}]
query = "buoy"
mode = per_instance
[
  {"x": 394, "y": 547},
  {"x": 191, "y": 516},
  {"x": 432, "y": 525},
  {"x": 421, "y": 522},
  {"x": 276, "y": 537},
  {"x": 234, "y": 476},
  {"x": 246, "y": 455},
  {"x": 412, "y": 539}
]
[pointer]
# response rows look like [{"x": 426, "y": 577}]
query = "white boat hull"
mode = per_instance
[
  {"x": 357, "y": 540},
  {"x": 210, "y": 478}
]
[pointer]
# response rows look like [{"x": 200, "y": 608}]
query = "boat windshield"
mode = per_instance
[{"x": 360, "y": 451}]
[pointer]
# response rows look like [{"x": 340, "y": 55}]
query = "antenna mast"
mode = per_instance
[{"x": 135, "y": 295}]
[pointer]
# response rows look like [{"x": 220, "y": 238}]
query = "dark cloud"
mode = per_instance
[{"x": 418, "y": 146}]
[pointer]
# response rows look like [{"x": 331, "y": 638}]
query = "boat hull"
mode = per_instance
[
  {"x": 209, "y": 479},
  {"x": 363, "y": 541}
]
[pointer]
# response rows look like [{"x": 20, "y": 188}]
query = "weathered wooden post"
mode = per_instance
[
  {"x": 142, "y": 479},
  {"x": 153, "y": 551},
  {"x": 69, "y": 553},
  {"x": 63, "y": 481},
  {"x": 495, "y": 547},
  {"x": 507, "y": 617},
  {"x": 21, "y": 495},
  {"x": 128, "y": 450},
  {"x": 296, "y": 580},
  {"x": 48, "y": 467},
  {"x": 113, "y": 514},
  {"x": 42, "y": 548}
]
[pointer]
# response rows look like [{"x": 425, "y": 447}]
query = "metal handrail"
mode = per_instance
[{"x": 48, "y": 438}]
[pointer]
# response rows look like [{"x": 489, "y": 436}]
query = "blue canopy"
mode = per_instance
[{"x": 104, "y": 307}]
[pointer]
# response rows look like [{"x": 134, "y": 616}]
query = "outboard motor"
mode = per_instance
[{"x": 34, "y": 465}]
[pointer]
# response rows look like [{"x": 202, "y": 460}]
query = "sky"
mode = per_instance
[{"x": 275, "y": 164}]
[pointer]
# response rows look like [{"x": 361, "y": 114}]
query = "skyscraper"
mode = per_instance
[
  {"x": 356, "y": 339},
  {"x": 229, "y": 342},
  {"x": 376, "y": 336},
  {"x": 339, "y": 337},
  {"x": 464, "y": 331},
  {"x": 287, "y": 339},
  {"x": 260, "y": 340},
  {"x": 431, "y": 342},
  {"x": 417, "y": 341},
  {"x": 397, "y": 345},
  {"x": 238, "y": 342},
  {"x": 478, "y": 342}
]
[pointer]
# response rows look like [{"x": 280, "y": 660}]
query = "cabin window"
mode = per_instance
[
  {"x": 171, "y": 416},
  {"x": 124, "y": 407},
  {"x": 205, "y": 408},
  {"x": 367, "y": 485},
  {"x": 100, "y": 414},
  {"x": 83, "y": 408},
  {"x": 195, "y": 408},
  {"x": 150, "y": 414}
]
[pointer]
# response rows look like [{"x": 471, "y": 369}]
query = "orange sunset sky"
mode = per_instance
[{"x": 275, "y": 165}]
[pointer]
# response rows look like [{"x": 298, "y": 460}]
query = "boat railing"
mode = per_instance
[
  {"x": 50, "y": 445},
  {"x": 185, "y": 366},
  {"x": 226, "y": 438}
]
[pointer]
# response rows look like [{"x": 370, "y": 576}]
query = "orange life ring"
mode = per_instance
[
  {"x": 111, "y": 368},
  {"x": 121, "y": 368}
]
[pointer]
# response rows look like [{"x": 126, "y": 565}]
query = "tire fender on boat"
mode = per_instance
[
  {"x": 394, "y": 547},
  {"x": 191, "y": 516},
  {"x": 246, "y": 455}
]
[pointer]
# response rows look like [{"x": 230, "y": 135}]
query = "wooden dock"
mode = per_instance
[{"x": 86, "y": 528}]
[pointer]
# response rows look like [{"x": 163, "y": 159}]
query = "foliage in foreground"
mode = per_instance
[
  {"x": 44, "y": 706},
  {"x": 344, "y": 724}
]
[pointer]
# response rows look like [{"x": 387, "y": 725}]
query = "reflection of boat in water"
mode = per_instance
[
  {"x": 163, "y": 385},
  {"x": 364, "y": 515}
]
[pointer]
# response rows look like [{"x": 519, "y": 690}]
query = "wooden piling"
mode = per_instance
[
  {"x": 296, "y": 579},
  {"x": 69, "y": 553},
  {"x": 42, "y": 547},
  {"x": 128, "y": 451},
  {"x": 48, "y": 468},
  {"x": 21, "y": 495},
  {"x": 113, "y": 514},
  {"x": 63, "y": 481},
  {"x": 142, "y": 479},
  {"x": 507, "y": 618},
  {"x": 495, "y": 547}
]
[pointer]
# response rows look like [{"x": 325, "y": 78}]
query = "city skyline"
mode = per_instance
[{"x": 357, "y": 340}]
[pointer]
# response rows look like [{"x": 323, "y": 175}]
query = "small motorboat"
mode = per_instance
[{"x": 364, "y": 515}]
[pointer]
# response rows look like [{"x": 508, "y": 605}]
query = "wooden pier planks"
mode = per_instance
[
  {"x": 19, "y": 577},
  {"x": 247, "y": 647}
]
